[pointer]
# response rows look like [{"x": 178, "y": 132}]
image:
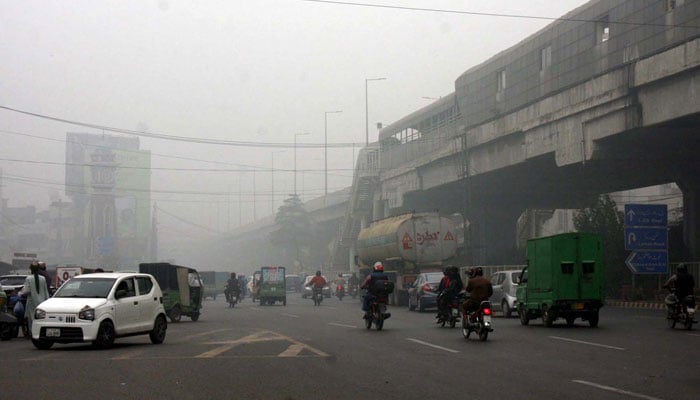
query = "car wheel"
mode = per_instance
[
  {"x": 160, "y": 326},
  {"x": 522, "y": 313},
  {"x": 105, "y": 335},
  {"x": 42, "y": 344},
  {"x": 547, "y": 316},
  {"x": 175, "y": 314},
  {"x": 194, "y": 316},
  {"x": 506, "y": 309},
  {"x": 5, "y": 331},
  {"x": 593, "y": 319}
]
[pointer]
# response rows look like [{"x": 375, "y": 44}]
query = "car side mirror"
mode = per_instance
[{"x": 120, "y": 293}]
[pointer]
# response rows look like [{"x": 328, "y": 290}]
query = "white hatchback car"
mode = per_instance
[{"x": 100, "y": 307}]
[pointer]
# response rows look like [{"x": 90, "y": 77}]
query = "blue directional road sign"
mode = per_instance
[
  {"x": 646, "y": 238},
  {"x": 646, "y": 215},
  {"x": 648, "y": 262}
]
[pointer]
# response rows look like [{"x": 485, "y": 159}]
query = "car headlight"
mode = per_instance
[
  {"x": 39, "y": 314},
  {"x": 87, "y": 313}
]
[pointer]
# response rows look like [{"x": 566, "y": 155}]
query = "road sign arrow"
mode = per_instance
[{"x": 648, "y": 262}]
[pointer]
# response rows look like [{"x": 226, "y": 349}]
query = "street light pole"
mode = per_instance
[
  {"x": 367, "y": 109},
  {"x": 325, "y": 149},
  {"x": 272, "y": 172},
  {"x": 295, "y": 159}
]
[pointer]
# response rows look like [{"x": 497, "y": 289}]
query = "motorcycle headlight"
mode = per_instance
[
  {"x": 39, "y": 314},
  {"x": 87, "y": 313}
]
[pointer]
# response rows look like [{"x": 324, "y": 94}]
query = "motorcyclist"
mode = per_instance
[
  {"x": 318, "y": 283},
  {"x": 684, "y": 285},
  {"x": 339, "y": 283},
  {"x": 353, "y": 281},
  {"x": 450, "y": 286},
  {"x": 377, "y": 274},
  {"x": 479, "y": 289},
  {"x": 232, "y": 289}
]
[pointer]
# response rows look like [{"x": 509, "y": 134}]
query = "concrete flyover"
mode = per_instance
[{"x": 635, "y": 124}]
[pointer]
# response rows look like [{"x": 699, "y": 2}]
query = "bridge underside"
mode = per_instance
[{"x": 493, "y": 201}]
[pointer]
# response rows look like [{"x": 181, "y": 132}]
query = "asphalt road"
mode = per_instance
[{"x": 300, "y": 351}]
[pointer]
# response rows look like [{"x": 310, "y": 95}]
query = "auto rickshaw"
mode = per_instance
[
  {"x": 182, "y": 289},
  {"x": 272, "y": 286}
]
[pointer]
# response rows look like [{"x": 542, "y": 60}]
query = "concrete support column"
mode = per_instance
[
  {"x": 690, "y": 186},
  {"x": 492, "y": 234}
]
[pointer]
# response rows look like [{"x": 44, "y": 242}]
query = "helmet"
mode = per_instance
[
  {"x": 451, "y": 271},
  {"x": 378, "y": 266},
  {"x": 682, "y": 268},
  {"x": 318, "y": 273}
]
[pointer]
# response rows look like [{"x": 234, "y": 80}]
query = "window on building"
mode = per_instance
[
  {"x": 603, "y": 30},
  {"x": 545, "y": 58},
  {"x": 501, "y": 80}
]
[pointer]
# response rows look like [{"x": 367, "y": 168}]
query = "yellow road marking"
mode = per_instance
[{"x": 262, "y": 336}]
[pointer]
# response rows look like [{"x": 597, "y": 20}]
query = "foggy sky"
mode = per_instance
[{"x": 256, "y": 71}]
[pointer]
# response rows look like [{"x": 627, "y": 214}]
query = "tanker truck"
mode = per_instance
[{"x": 407, "y": 244}]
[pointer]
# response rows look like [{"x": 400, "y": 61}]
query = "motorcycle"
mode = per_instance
[
  {"x": 680, "y": 312},
  {"x": 478, "y": 321},
  {"x": 317, "y": 296},
  {"x": 232, "y": 298},
  {"x": 451, "y": 314},
  {"x": 377, "y": 313},
  {"x": 352, "y": 291},
  {"x": 340, "y": 291}
]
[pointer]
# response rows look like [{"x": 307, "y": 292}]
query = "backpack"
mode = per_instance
[{"x": 382, "y": 287}]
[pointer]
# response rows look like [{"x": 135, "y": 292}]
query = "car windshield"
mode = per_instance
[
  {"x": 12, "y": 280},
  {"x": 433, "y": 277},
  {"x": 86, "y": 288}
]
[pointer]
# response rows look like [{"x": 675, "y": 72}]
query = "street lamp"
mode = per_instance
[
  {"x": 367, "y": 109},
  {"x": 272, "y": 172},
  {"x": 325, "y": 149},
  {"x": 295, "y": 159}
]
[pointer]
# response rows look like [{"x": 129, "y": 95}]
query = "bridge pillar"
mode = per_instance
[
  {"x": 492, "y": 234},
  {"x": 690, "y": 185}
]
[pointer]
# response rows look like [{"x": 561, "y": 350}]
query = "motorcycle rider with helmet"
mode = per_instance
[
  {"x": 479, "y": 289},
  {"x": 318, "y": 283},
  {"x": 450, "y": 286},
  {"x": 377, "y": 274}
]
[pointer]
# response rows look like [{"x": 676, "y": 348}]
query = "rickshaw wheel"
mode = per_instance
[
  {"x": 194, "y": 316},
  {"x": 175, "y": 314}
]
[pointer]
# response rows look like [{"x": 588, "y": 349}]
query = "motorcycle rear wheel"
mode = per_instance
[
  {"x": 483, "y": 333},
  {"x": 379, "y": 321}
]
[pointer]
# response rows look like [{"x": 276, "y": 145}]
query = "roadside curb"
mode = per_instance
[{"x": 636, "y": 304}]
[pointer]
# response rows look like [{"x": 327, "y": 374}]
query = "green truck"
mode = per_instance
[{"x": 564, "y": 278}]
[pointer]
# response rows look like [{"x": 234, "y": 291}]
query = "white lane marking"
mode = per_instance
[
  {"x": 616, "y": 390},
  {"x": 588, "y": 343},
  {"x": 342, "y": 325},
  {"x": 432, "y": 345},
  {"x": 693, "y": 334},
  {"x": 290, "y": 315}
]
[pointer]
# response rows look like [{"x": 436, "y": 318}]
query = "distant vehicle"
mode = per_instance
[
  {"x": 565, "y": 278},
  {"x": 272, "y": 286},
  {"x": 293, "y": 283},
  {"x": 100, "y": 307},
  {"x": 214, "y": 282},
  {"x": 422, "y": 294},
  {"x": 505, "y": 286},
  {"x": 12, "y": 282},
  {"x": 182, "y": 289}
]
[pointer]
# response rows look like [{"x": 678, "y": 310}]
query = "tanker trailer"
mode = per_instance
[{"x": 407, "y": 244}]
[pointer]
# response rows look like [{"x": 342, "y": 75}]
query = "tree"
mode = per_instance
[
  {"x": 603, "y": 218},
  {"x": 295, "y": 232}
]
